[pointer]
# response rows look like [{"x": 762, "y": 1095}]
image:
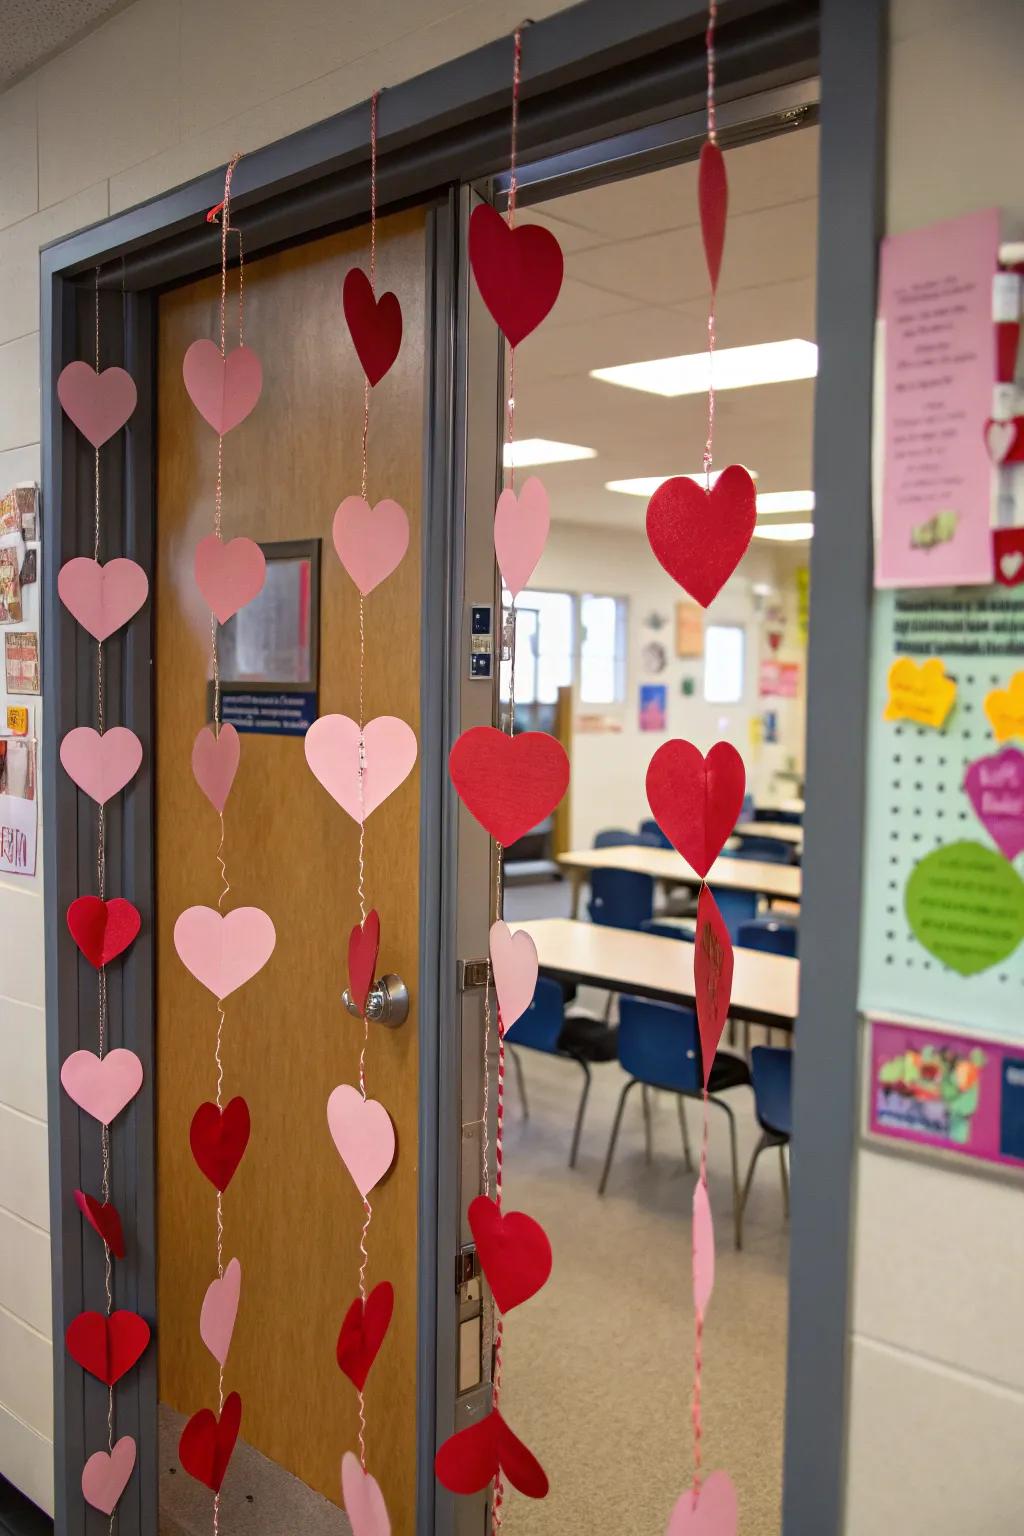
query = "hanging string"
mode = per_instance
[{"x": 709, "y": 45}]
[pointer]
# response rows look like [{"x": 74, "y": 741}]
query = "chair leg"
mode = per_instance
[
  {"x": 737, "y": 1208},
  {"x": 648, "y": 1138},
  {"x": 580, "y": 1112},
  {"x": 615, "y": 1134},
  {"x": 687, "y": 1153},
  {"x": 521, "y": 1084},
  {"x": 753, "y": 1163},
  {"x": 784, "y": 1173}
]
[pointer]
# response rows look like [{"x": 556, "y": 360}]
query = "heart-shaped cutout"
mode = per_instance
[
  {"x": 102, "y": 597},
  {"x": 514, "y": 966},
  {"x": 107, "y": 1347},
  {"x": 363, "y": 1134},
  {"x": 375, "y": 324},
  {"x": 219, "y": 1311},
  {"x": 106, "y": 1473},
  {"x": 102, "y": 1086},
  {"x": 470, "y": 1459},
  {"x": 703, "y": 1248},
  {"x": 995, "y": 788},
  {"x": 223, "y": 389},
  {"x": 712, "y": 1513},
  {"x": 103, "y": 929},
  {"x": 207, "y": 1442},
  {"x": 229, "y": 575},
  {"x": 508, "y": 783},
  {"x": 363, "y": 948},
  {"x": 696, "y": 800},
  {"x": 712, "y": 976},
  {"x": 218, "y": 1139},
  {"x": 1000, "y": 440},
  {"x": 965, "y": 904},
  {"x": 215, "y": 758},
  {"x": 518, "y": 271},
  {"x": 1004, "y": 709},
  {"x": 101, "y": 765},
  {"x": 99, "y": 404},
  {"x": 1008, "y": 555},
  {"x": 371, "y": 541},
  {"x": 521, "y": 527},
  {"x": 713, "y": 203},
  {"x": 104, "y": 1219},
  {"x": 224, "y": 950},
  {"x": 389, "y": 755},
  {"x": 513, "y": 1249},
  {"x": 700, "y": 536},
  {"x": 362, "y": 1332},
  {"x": 363, "y": 1500}
]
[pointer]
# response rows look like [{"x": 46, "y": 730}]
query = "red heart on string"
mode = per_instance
[
  {"x": 518, "y": 271},
  {"x": 1008, "y": 555},
  {"x": 513, "y": 1249},
  {"x": 696, "y": 800},
  {"x": 104, "y": 1220},
  {"x": 713, "y": 201},
  {"x": 103, "y": 929},
  {"x": 470, "y": 1459},
  {"x": 107, "y": 1347},
  {"x": 375, "y": 324},
  {"x": 700, "y": 536},
  {"x": 207, "y": 1442},
  {"x": 509, "y": 783},
  {"x": 712, "y": 976},
  {"x": 362, "y": 1332},
  {"x": 218, "y": 1139},
  {"x": 363, "y": 945}
]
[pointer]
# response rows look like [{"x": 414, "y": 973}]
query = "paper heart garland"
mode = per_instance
[
  {"x": 509, "y": 783},
  {"x": 224, "y": 950},
  {"x": 363, "y": 947},
  {"x": 521, "y": 527},
  {"x": 363, "y": 1500},
  {"x": 1008, "y": 555},
  {"x": 362, "y": 1332},
  {"x": 207, "y": 1442},
  {"x": 470, "y": 1459},
  {"x": 223, "y": 389},
  {"x": 102, "y": 597},
  {"x": 995, "y": 788},
  {"x": 514, "y": 966},
  {"x": 102, "y": 1087},
  {"x": 371, "y": 542},
  {"x": 518, "y": 271},
  {"x": 107, "y": 1347},
  {"x": 103, "y": 1219},
  {"x": 332, "y": 752},
  {"x": 1001, "y": 440},
  {"x": 374, "y": 324},
  {"x": 103, "y": 929},
  {"x": 713, "y": 203},
  {"x": 229, "y": 575},
  {"x": 703, "y": 1248},
  {"x": 106, "y": 1473},
  {"x": 101, "y": 765},
  {"x": 701, "y": 536},
  {"x": 215, "y": 762},
  {"x": 363, "y": 1134},
  {"x": 99, "y": 404},
  {"x": 219, "y": 1311},
  {"x": 712, "y": 976},
  {"x": 514, "y": 1251},
  {"x": 713, "y": 1513},
  {"x": 218, "y": 1139},
  {"x": 696, "y": 800}
]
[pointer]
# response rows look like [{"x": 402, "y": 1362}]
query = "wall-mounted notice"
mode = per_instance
[
  {"x": 938, "y": 370},
  {"x": 779, "y": 679},
  {"x": 19, "y": 822}
]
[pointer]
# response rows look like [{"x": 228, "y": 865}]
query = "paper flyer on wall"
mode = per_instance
[{"x": 19, "y": 803}]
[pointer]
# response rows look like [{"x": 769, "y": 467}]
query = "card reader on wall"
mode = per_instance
[{"x": 481, "y": 641}]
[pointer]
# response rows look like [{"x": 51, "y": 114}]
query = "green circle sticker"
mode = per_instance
[{"x": 966, "y": 906}]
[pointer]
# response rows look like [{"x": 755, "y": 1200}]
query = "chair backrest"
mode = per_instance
[
  {"x": 769, "y": 933},
  {"x": 736, "y": 907},
  {"x": 650, "y": 829},
  {"x": 666, "y": 929},
  {"x": 618, "y": 837},
  {"x": 769, "y": 850},
  {"x": 660, "y": 1044},
  {"x": 620, "y": 898},
  {"x": 771, "y": 1072},
  {"x": 540, "y": 1026}
]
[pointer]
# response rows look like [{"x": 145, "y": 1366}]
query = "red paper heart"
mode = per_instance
[
  {"x": 104, "y": 1220},
  {"x": 362, "y": 1332},
  {"x": 363, "y": 945},
  {"x": 375, "y": 324},
  {"x": 712, "y": 976},
  {"x": 470, "y": 1459},
  {"x": 103, "y": 929},
  {"x": 509, "y": 783},
  {"x": 713, "y": 201},
  {"x": 218, "y": 1139},
  {"x": 107, "y": 1347},
  {"x": 518, "y": 271},
  {"x": 696, "y": 800},
  {"x": 1008, "y": 555},
  {"x": 700, "y": 536},
  {"x": 207, "y": 1442},
  {"x": 513, "y": 1249}
]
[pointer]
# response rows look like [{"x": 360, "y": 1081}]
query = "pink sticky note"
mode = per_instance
[
  {"x": 363, "y": 1500},
  {"x": 224, "y": 950},
  {"x": 106, "y": 1473},
  {"x": 101, "y": 765},
  {"x": 332, "y": 752},
  {"x": 99, "y": 404},
  {"x": 102, "y": 1087},
  {"x": 713, "y": 1513},
  {"x": 229, "y": 575},
  {"x": 703, "y": 1248},
  {"x": 514, "y": 966},
  {"x": 995, "y": 788},
  {"x": 215, "y": 763},
  {"x": 102, "y": 597},
  {"x": 371, "y": 541},
  {"x": 219, "y": 1310},
  {"x": 521, "y": 527},
  {"x": 223, "y": 389},
  {"x": 363, "y": 1134}
]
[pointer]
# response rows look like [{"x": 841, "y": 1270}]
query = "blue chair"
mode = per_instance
[
  {"x": 620, "y": 898},
  {"x": 768, "y": 850},
  {"x": 772, "y": 934},
  {"x": 736, "y": 907},
  {"x": 619, "y": 837},
  {"x": 659, "y": 1046},
  {"x": 545, "y": 1026},
  {"x": 785, "y": 818},
  {"x": 651, "y": 829},
  {"x": 666, "y": 928},
  {"x": 771, "y": 1073}
]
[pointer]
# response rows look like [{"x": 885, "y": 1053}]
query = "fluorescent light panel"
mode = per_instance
[
  {"x": 540, "y": 450},
  {"x": 786, "y": 533},
  {"x": 769, "y": 362},
  {"x": 646, "y": 485}
]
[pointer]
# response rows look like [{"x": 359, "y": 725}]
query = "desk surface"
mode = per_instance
[
  {"x": 778, "y": 880},
  {"x": 764, "y": 987},
  {"x": 783, "y": 831}
]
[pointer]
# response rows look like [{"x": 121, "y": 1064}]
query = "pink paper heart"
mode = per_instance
[
  {"x": 363, "y": 1134},
  {"x": 224, "y": 950},
  {"x": 332, "y": 752},
  {"x": 219, "y": 1310},
  {"x": 521, "y": 526},
  {"x": 102, "y": 1087},
  {"x": 223, "y": 389},
  {"x": 215, "y": 763},
  {"x": 703, "y": 1248},
  {"x": 101, "y": 765},
  {"x": 106, "y": 1473},
  {"x": 99, "y": 404},
  {"x": 715, "y": 1512},
  {"x": 371, "y": 542},
  {"x": 514, "y": 966},
  {"x": 363, "y": 1500},
  {"x": 229, "y": 575},
  {"x": 102, "y": 597}
]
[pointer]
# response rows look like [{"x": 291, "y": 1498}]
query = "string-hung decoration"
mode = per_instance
[
  {"x": 102, "y": 760},
  {"x": 222, "y": 949},
  {"x": 509, "y": 783}
]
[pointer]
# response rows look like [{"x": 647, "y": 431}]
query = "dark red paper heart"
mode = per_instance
[
  {"x": 104, "y": 1220},
  {"x": 363, "y": 946},
  {"x": 107, "y": 1347},
  {"x": 470, "y": 1459},
  {"x": 207, "y": 1442},
  {"x": 513, "y": 1249},
  {"x": 712, "y": 976},
  {"x": 218, "y": 1140},
  {"x": 713, "y": 201},
  {"x": 362, "y": 1332},
  {"x": 700, "y": 536},
  {"x": 509, "y": 783},
  {"x": 696, "y": 800},
  {"x": 518, "y": 271},
  {"x": 375, "y": 324},
  {"x": 103, "y": 929},
  {"x": 1007, "y": 544}
]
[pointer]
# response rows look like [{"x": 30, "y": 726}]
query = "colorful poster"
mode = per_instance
[
  {"x": 938, "y": 370},
  {"x": 689, "y": 630},
  {"x": 18, "y": 806},
  {"x": 10, "y": 585},
  {"x": 779, "y": 679},
  {"x": 653, "y": 707},
  {"x": 21, "y": 660}
]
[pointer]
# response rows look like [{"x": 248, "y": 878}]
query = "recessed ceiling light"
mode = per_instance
[
  {"x": 646, "y": 485},
  {"x": 788, "y": 533},
  {"x": 771, "y": 502},
  {"x": 540, "y": 450},
  {"x": 770, "y": 362}
]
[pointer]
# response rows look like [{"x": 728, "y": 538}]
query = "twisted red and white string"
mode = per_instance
[{"x": 709, "y": 44}]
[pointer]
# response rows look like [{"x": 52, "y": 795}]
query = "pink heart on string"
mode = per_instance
[
  {"x": 101, "y": 765},
  {"x": 363, "y": 1134},
  {"x": 514, "y": 965},
  {"x": 363, "y": 1500},
  {"x": 219, "y": 1310},
  {"x": 102, "y": 597},
  {"x": 521, "y": 527},
  {"x": 703, "y": 1248},
  {"x": 332, "y": 752},
  {"x": 215, "y": 763},
  {"x": 229, "y": 575},
  {"x": 223, "y": 389},
  {"x": 224, "y": 950},
  {"x": 371, "y": 542},
  {"x": 99, "y": 404},
  {"x": 106, "y": 1473},
  {"x": 102, "y": 1087},
  {"x": 713, "y": 1514},
  {"x": 713, "y": 202}
]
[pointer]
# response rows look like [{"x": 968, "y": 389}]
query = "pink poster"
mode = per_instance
[
  {"x": 939, "y": 369},
  {"x": 779, "y": 679}
]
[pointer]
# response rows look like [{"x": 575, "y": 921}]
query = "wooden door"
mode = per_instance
[{"x": 292, "y": 1213}]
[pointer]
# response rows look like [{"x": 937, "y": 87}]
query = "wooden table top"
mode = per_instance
[
  {"x": 783, "y": 831},
  {"x": 778, "y": 880}
]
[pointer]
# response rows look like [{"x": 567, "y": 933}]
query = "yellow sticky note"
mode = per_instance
[
  {"x": 1005, "y": 709},
  {"x": 17, "y": 719},
  {"x": 920, "y": 692}
]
